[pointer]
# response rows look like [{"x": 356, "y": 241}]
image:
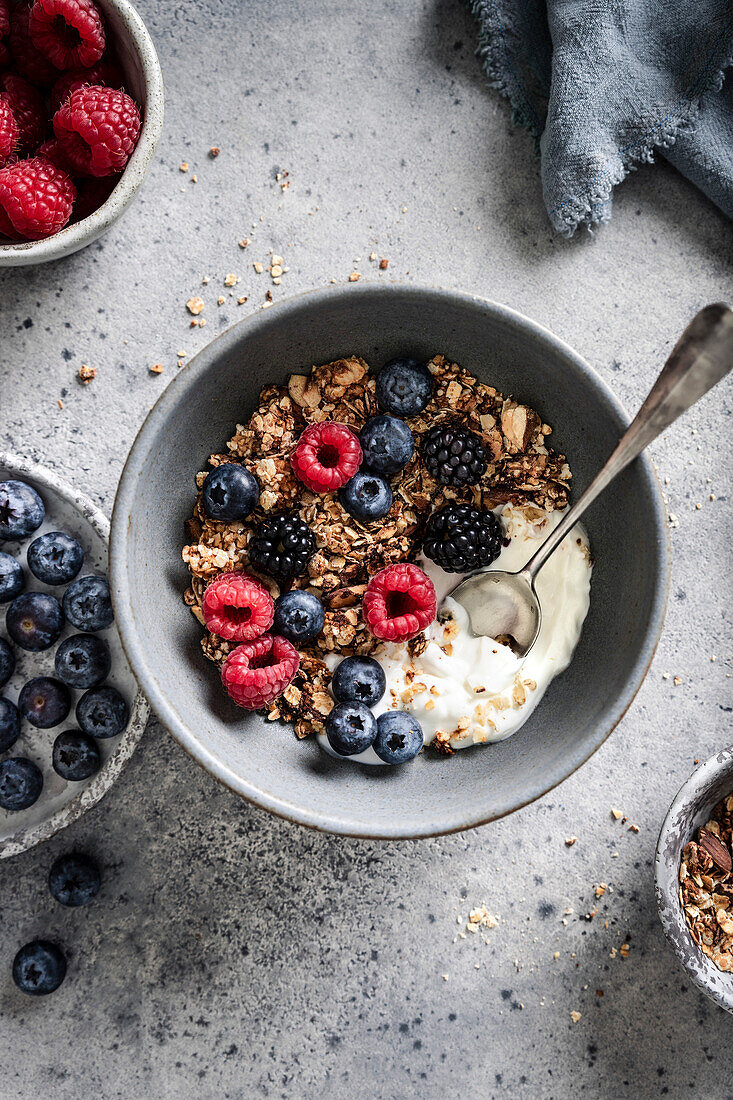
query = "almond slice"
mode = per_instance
[{"x": 716, "y": 850}]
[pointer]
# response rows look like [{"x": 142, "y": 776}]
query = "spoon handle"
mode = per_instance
[{"x": 700, "y": 358}]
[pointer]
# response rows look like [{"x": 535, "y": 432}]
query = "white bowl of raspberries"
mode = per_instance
[{"x": 81, "y": 112}]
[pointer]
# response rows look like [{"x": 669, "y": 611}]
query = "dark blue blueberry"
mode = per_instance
[
  {"x": 399, "y": 737},
  {"x": 74, "y": 880},
  {"x": 34, "y": 620},
  {"x": 387, "y": 444},
  {"x": 88, "y": 605},
  {"x": 7, "y": 662},
  {"x": 102, "y": 712},
  {"x": 359, "y": 679},
  {"x": 367, "y": 496},
  {"x": 21, "y": 782},
  {"x": 404, "y": 387},
  {"x": 9, "y": 724},
  {"x": 11, "y": 577},
  {"x": 21, "y": 510},
  {"x": 230, "y": 492},
  {"x": 44, "y": 702},
  {"x": 299, "y": 616},
  {"x": 55, "y": 558},
  {"x": 75, "y": 755},
  {"x": 39, "y": 968},
  {"x": 83, "y": 661},
  {"x": 350, "y": 728}
]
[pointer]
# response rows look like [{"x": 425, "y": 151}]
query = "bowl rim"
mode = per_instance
[
  {"x": 72, "y": 810},
  {"x": 121, "y": 597},
  {"x": 84, "y": 232}
]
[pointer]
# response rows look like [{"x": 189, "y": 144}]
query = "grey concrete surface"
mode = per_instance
[{"x": 231, "y": 954}]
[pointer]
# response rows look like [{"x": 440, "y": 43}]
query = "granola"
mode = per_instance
[{"x": 706, "y": 886}]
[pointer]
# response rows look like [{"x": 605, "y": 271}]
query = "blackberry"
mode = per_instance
[
  {"x": 282, "y": 546},
  {"x": 459, "y": 538},
  {"x": 454, "y": 456}
]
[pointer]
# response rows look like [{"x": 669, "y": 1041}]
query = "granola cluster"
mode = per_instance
[
  {"x": 522, "y": 470},
  {"x": 706, "y": 886}
]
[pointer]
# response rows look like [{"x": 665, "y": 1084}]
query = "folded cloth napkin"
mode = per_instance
[{"x": 603, "y": 84}]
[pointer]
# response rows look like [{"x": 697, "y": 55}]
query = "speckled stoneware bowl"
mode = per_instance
[
  {"x": 263, "y": 761},
  {"x": 62, "y": 802},
  {"x": 144, "y": 82},
  {"x": 691, "y": 808}
]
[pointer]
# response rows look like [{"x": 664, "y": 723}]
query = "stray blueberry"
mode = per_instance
[
  {"x": 34, "y": 620},
  {"x": 399, "y": 737},
  {"x": 44, "y": 702},
  {"x": 359, "y": 680},
  {"x": 367, "y": 496},
  {"x": 55, "y": 558},
  {"x": 350, "y": 728},
  {"x": 39, "y": 968},
  {"x": 9, "y": 724},
  {"x": 83, "y": 661},
  {"x": 387, "y": 444},
  {"x": 102, "y": 712},
  {"x": 88, "y": 605},
  {"x": 11, "y": 577},
  {"x": 7, "y": 662},
  {"x": 21, "y": 510},
  {"x": 230, "y": 492},
  {"x": 299, "y": 616},
  {"x": 404, "y": 387},
  {"x": 21, "y": 782},
  {"x": 74, "y": 880},
  {"x": 75, "y": 755}
]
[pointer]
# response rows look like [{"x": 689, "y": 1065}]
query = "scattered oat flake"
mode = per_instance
[
  {"x": 624, "y": 950},
  {"x": 600, "y": 889},
  {"x": 677, "y": 681},
  {"x": 258, "y": 267},
  {"x": 633, "y": 828},
  {"x": 157, "y": 368},
  {"x": 354, "y": 277},
  {"x": 220, "y": 300},
  {"x": 194, "y": 179},
  {"x": 86, "y": 374},
  {"x": 230, "y": 280},
  {"x": 183, "y": 166},
  {"x": 575, "y": 1016},
  {"x": 617, "y": 814},
  {"x": 570, "y": 840},
  {"x": 242, "y": 300},
  {"x": 195, "y": 306},
  {"x": 244, "y": 242},
  {"x": 372, "y": 256}
]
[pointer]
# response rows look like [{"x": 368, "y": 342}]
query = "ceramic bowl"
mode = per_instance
[
  {"x": 62, "y": 802},
  {"x": 691, "y": 808},
  {"x": 263, "y": 761},
  {"x": 144, "y": 82}
]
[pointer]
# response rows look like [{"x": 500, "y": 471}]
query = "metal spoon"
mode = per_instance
[{"x": 503, "y": 604}]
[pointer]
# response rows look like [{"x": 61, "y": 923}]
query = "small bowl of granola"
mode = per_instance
[{"x": 694, "y": 877}]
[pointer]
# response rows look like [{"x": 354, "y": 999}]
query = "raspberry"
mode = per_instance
[
  {"x": 399, "y": 602},
  {"x": 27, "y": 107},
  {"x": 256, "y": 672},
  {"x": 237, "y": 607},
  {"x": 9, "y": 132},
  {"x": 36, "y": 199},
  {"x": 29, "y": 61},
  {"x": 98, "y": 129},
  {"x": 104, "y": 73},
  {"x": 70, "y": 33},
  {"x": 327, "y": 456}
]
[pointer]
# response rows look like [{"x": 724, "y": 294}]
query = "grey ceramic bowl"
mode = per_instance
[
  {"x": 691, "y": 808},
  {"x": 144, "y": 82},
  {"x": 263, "y": 761}
]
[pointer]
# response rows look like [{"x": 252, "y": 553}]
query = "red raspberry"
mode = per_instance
[
  {"x": 256, "y": 672},
  {"x": 399, "y": 602},
  {"x": 327, "y": 456},
  {"x": 104, "y": 73},
  {"x": 98, "y": 129},
  {"x": 70, "y": 33},
  {"x": 237, "y": 607},
  {"x": 28, "y": 60},
  {"x": 27, "y": 107},
  {"x": 36, "y": 199},
  {"x": 9, "y": 132}
]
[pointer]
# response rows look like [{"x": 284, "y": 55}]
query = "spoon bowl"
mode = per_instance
[{"x": 503, "y": 606}]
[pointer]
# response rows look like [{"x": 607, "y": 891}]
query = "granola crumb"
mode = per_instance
[
  {"x": 616, "y": 814},
  {"x": 570, "y": 840},
  {"x": 156, "y": 368},
  {"x": 195, "y": 306},
  {"x": 86, "y": 374},
  {"x": 383, "y": 264},
  {"x": 576, "y": 1016},
  {"x": 214, "y": 152},
  {"x": 244, "y": 243},
  {"x": 354, "y": 277}
]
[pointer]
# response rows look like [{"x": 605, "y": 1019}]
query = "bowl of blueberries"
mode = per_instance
[{"x": 71, "y": 714}]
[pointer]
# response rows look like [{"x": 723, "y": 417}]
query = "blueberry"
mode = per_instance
[
  {"x": 359, "y": 679},
  {"x": 7, "y": 662},
  {"x": 21, "y": 783},
  {"x": 55, "y": 558},
  {"x": 34, "y": 620},
  {"x": 387, "y": 444},
  {"x": 83, "y": 661},
  {"x": 404, "y": 387},
  {"x": 39, "y": 968},
  {"x": 9, "y": 724},
  {"x": 21, "y": 510},
  {"x": 74, "y": 880},
  {"x": 44, "y": 702},
  {"x": 367, "y": 496},
  {"x": 299, "y": 616},
  {"x": 11, "y": 577},
  {"x": 350, "y": 728},
  {"x": 102, "y": 712},
  {"x": 75, "y": 755},
  {"x": 399, "y": 737},
  {"x": 87, "y": 603},
  {"x": 230, "y": 492}
]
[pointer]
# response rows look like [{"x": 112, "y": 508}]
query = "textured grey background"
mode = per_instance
[{"x": 231, "y": 954}]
